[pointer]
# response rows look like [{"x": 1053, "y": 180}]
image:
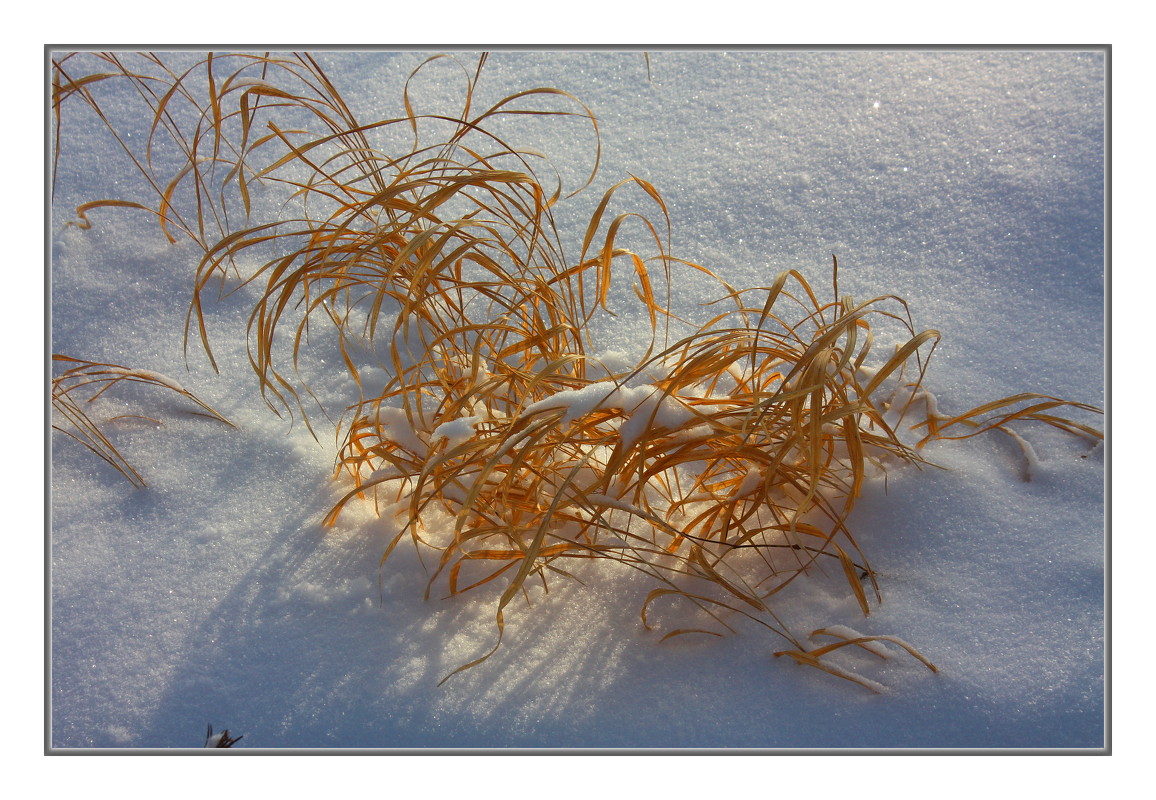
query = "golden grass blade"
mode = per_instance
[
  {"x": 808, "y": 660},
  {"x": 477, "y": 661},
  {"x": 900, "y": 357},
  {"x": 811, "y": 658},
  {"x": 852, "y": 575},
  {"x": 936, "y": 425},
  {"x": 859, "y": 641},
  {"x": 683, "y": 631},
  {"x": 83, "y": 209}
]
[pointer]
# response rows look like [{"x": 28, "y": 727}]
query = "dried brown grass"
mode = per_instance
[
  {"x": 83, "y": 382},
  {"x": 725, "y": 465}
]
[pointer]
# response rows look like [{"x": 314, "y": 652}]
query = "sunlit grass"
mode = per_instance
[{"x": 725, "y": 465}]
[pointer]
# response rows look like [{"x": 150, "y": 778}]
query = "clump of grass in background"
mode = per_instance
[{"x": 724, "y": 465}]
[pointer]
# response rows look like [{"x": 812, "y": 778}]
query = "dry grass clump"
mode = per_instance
[
  {"x": 725, "y": 465},
  {"x": 89, "y": 380}
]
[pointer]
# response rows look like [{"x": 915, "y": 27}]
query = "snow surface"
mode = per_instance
[{"x": 971, "y": 184}]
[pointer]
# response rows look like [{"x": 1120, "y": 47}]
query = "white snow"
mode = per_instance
[
  {"x": 644, "y": 408},
  {"x": 457, "y": 431},
  {"x": 969, "y": 183}
]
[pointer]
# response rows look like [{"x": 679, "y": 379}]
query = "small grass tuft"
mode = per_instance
[{"x": 82, "y": 382}]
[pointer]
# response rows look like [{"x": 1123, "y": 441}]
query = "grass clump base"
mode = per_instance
[{"x": 724, "y": 465}]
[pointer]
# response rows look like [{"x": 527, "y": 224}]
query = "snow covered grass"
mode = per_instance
[{"x": 496, "y": 420}]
